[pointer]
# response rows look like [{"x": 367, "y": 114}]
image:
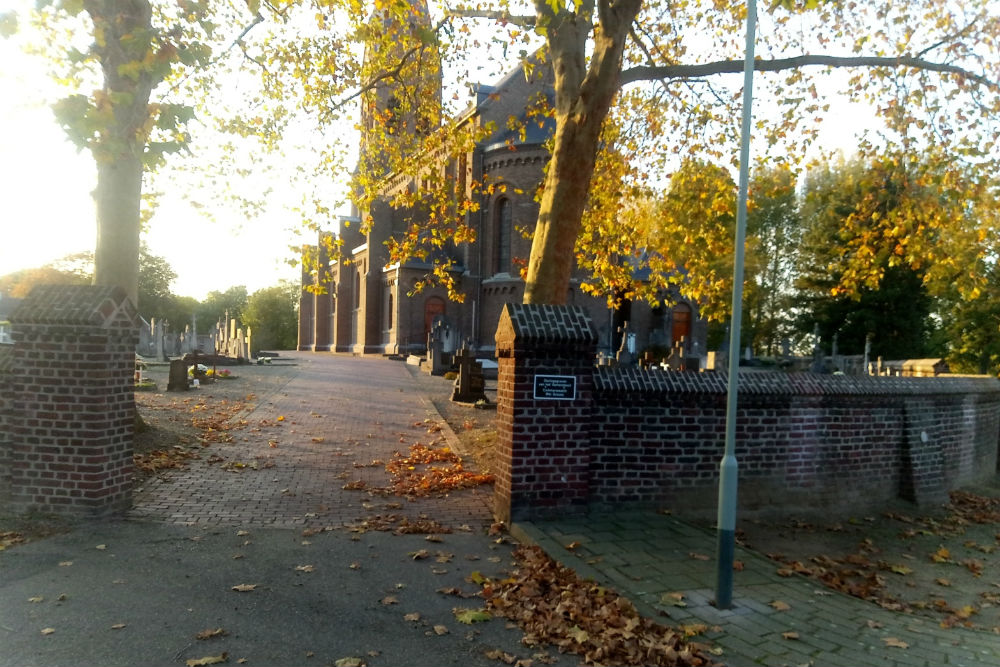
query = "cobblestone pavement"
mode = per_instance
[
  {"x": 319, "y": 422},
  {"x": 659, "y": 562}
]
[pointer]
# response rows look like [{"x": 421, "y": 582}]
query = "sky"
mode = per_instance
[{"x": 47, "y": 212}]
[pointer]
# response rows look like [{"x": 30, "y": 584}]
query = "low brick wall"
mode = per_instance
[
  {"x": 67, "y": 404},
  {"x": 655, "y": 438}
]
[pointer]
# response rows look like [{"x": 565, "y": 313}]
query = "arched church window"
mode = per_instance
[{"x": 503, "y": 233}]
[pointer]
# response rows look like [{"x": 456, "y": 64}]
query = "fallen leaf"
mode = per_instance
[
  {"x": 61, "y": 598},
  {"x": 304, "y": 568},
  {"x": 243, "y": 588},
  {"x": 780, "y": 605},
  {"x": 573, "y": 545},
  {"x": 901, "y": 569},
  {"x": 210, "y": 633},
  {"x": 101, "y": 547},
  {"x": 674, "y": 599},
  {"x": 415, "y": 616},
  {"x": 942, "y": 555},
  {"x": 785, "y": 572},
  {"x": 355, "y": 565},
  {"x": 390, "y": 599},
  {"x": 348, "y": 662},
  {"x": 434, "y": 538},
  {"x": 281, "y": 418},
  {"x": 48, "y": 631},
  {"x": 65, "y": 563},
  {"x": 476, "y": 578},
  {"x": 440, "y": 630},
  {"x": 790, "y": 635},
  {"x": 698, "y": 556},
  {"x": 894, "y": 642},
  {"x": 118, "y": 626},
  {"x": 242, "y": 533},
  {"x": 942, "y": 581},
  {"x": 470, "y": 616},
  {"x": 874, "y": 625},
  {"x": 418, "y": 555},
  {"x": 738, "y": 565},
  {"x": 578, "y": 634},
  {"x": 37, "y": 598}
]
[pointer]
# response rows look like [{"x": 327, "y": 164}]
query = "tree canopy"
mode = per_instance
[{"x": 648, "y": 83}]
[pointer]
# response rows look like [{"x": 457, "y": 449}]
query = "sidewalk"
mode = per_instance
[
  {"x": 658, "y": 562},
  {"x": 139, "y": 590}
]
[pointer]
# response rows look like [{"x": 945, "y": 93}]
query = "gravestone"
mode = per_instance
[
  {"x": 470, "y": 386},
  {"x": 178, "y": 379},
  {"x": 437, "y": 364},
  {"x": 626, "y": 356}
]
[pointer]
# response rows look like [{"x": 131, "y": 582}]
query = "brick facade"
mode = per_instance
[
  {"x": 67, "y": 404},
  {"x": 655, "y": 438}
]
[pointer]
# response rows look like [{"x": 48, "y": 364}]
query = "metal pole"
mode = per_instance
[{"x": 728, "y": 469}]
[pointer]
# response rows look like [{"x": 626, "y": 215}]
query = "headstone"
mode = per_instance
[
  {"x": 437, "y": 364},
  {"x": 625, "y": 354},
  {"x": 470, "y": 386},
  {"x": 178, "y": 378}
]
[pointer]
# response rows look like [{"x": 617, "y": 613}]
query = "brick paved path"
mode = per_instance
[
  {"x": 340, "y": 413},
  {"x": 646, "y": 556}
]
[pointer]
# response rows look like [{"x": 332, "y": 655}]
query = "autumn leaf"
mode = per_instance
[
  {"x": 389, "y": 599},
  {"x": 415, "y": 616},
  {"x": 573, "y": 545},
  {"x": 901, "y": 569},
  {"x": 48, "y": 631},
  {"x": 780, "y": 605},
  {"x": 476, "y": 578},
  {"x": 674, "y": 599},
  {"x": 790, "y": 635},
  {"x": 578, "y": 634},
  {"x": 348, "y": 662},
  {"x": 65, "y": 563},
  {"x": 698, "y": 556},
  {"x": 942, "y": 555},
  {"x": 208, "y": 660},
  {"x": 210, "y": 633},
  {"x": 941, "y": 581},
  {"x": 894, "y": 642},
  {"x": 419, "y": 555},
  {"x": 470, "y": 616},
  {"x": 118, "y": 626},
  {"x": 874, "y": 625},
  {"x": 37, "y": 598},
  {"x": 440, "y": 630},
  {"x": 738, "y": 565},
  {"x": 243, "y": 588},
  {"x": 304, "y": 568}
]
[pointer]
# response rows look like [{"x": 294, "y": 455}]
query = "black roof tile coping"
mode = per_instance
[
  {"x": 636, "y": 381},
  {"x": 543, "y": 323},
  {"x": 93, "y": 305}
]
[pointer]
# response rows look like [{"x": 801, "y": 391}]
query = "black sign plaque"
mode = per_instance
[{"x": 555, "y": 387}]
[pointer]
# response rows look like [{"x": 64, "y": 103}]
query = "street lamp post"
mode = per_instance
[{"x": 728, "y": 469}]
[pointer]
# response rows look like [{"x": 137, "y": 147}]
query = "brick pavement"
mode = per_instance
[
  {"x": 646, "y": 556},
  {"x": 340, "y": 414}
]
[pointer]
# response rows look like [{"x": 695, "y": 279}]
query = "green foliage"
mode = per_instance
[
  {"x": 272, "y": 315},
  {"x": 217, "y": 304}
]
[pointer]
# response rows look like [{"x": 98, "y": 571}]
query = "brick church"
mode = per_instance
[{"x": 363, "y": 306}]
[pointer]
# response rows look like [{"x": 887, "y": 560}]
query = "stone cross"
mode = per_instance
[{"x": 470, "y": 386}]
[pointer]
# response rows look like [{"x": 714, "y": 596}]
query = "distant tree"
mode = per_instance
[
  {"x": 774, "y": 231},
  {"x": 217, "y": 304},
  {"x": 894, "y": 310},
  {"x": 272, "y": 315},
  {"x": 20, "y": 283}
]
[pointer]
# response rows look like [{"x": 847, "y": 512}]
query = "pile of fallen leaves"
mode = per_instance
[
  {"x": 216, "y": 420},
  {"x": 553, "y": 606},
  {"x": 414, "y": 474},
  {"x": 158, "y": 460},
  {"x": 10, "y": 538}
]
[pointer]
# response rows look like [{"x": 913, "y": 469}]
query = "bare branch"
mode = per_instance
[
  {"x": 662, "y": 72},
  {"x": 524, "y": 21}
]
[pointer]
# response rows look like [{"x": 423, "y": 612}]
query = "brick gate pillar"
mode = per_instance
[
  {"x": 70, "y": 400},
  {"x": 544, "y": 396}
]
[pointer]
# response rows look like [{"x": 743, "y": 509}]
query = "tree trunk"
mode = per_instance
[
  {"x": 583, "y": 99},
  {"x": 116, "y": 257},
  {"x": 125, "y": 29}
]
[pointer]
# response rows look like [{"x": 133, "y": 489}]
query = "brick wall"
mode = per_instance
[
  {"x": 804, "y": 441},
  {"x": 67, "y": 406}
]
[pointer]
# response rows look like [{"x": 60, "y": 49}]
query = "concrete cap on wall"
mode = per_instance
[
  {"x": 543, "y": 324},
  {"x": 80, "y": 305}
]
